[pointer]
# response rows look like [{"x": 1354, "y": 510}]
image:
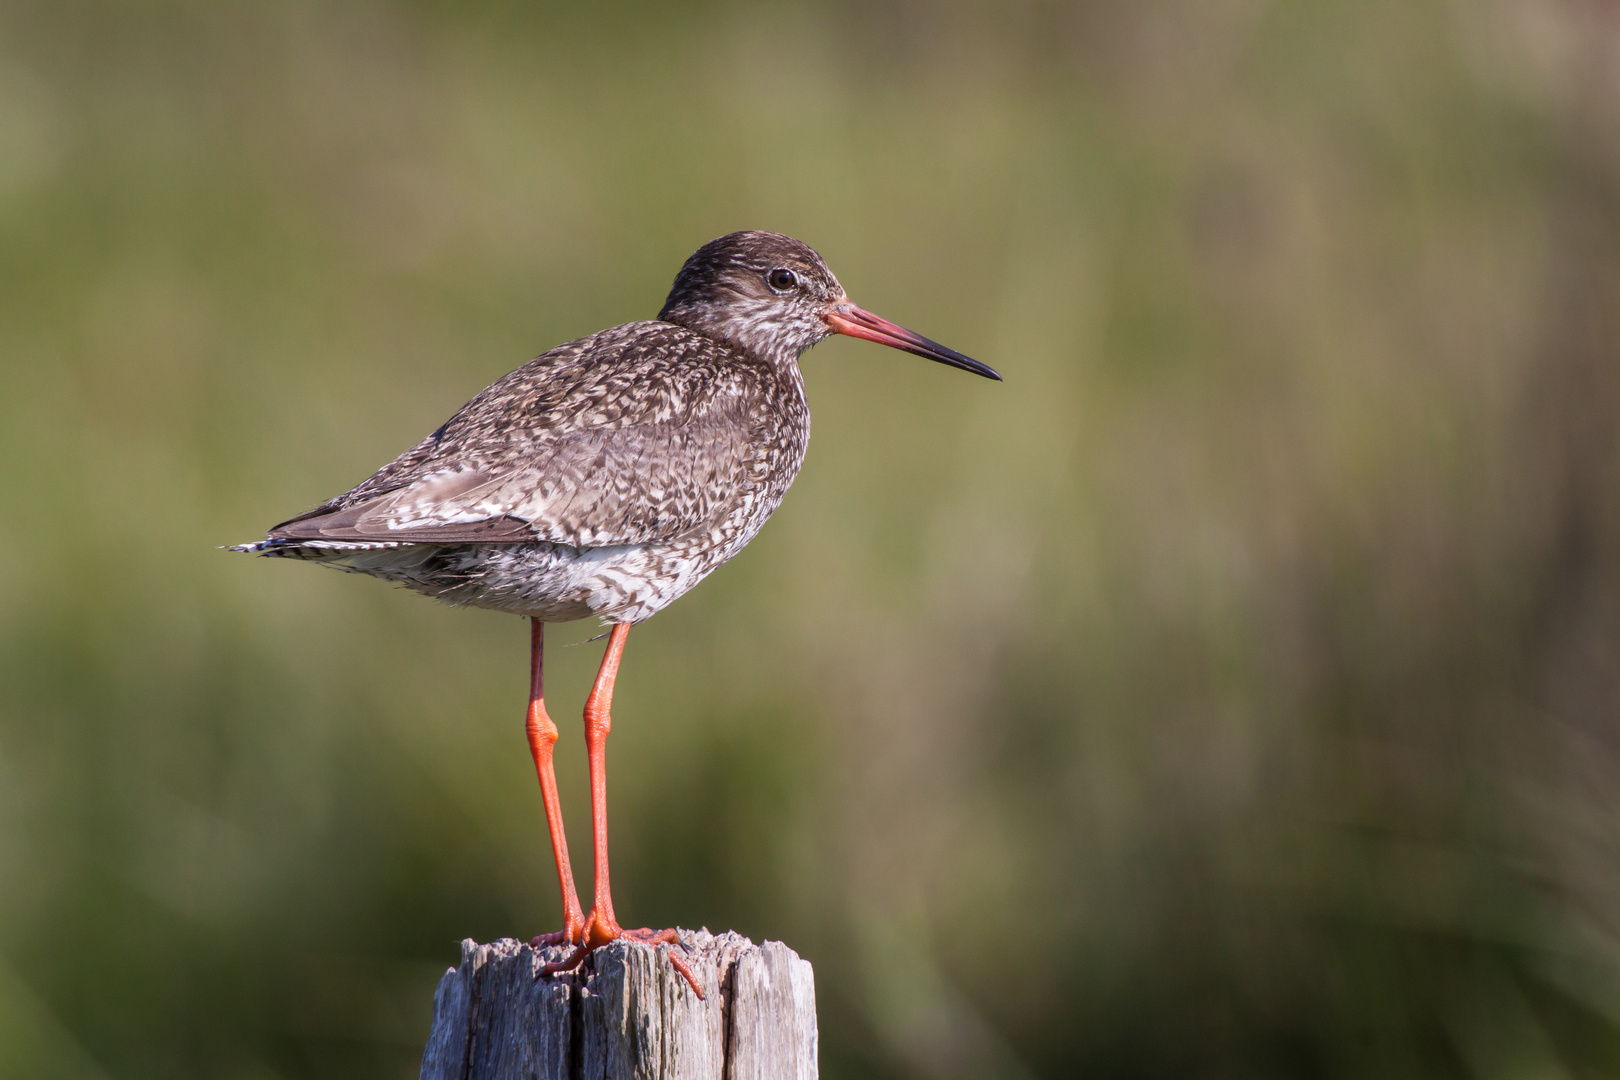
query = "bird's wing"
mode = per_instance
[
  {"x": 590, "y": 489},
  {"x": 572, "y": 449}
]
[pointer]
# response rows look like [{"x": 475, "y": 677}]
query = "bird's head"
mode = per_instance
[{"x": 774, "y": 297}]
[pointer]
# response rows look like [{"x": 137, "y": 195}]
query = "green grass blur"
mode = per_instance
[{"x": 1230, "y": 693}]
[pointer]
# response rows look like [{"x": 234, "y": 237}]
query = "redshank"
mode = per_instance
[{"x": 607, "y": 477}]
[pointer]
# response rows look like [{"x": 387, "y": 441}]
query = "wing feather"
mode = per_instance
[{"x": 571, "y": 449}]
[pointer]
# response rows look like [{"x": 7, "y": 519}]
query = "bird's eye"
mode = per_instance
[{"x": 781, "y": 279}]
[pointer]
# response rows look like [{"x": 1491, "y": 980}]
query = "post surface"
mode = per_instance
[{"x": 626, "y": 1014}]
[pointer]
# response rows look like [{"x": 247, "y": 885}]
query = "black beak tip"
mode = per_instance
[{"x": 967, "y": 363}]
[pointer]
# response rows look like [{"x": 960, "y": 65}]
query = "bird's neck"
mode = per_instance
[{"x": 748, "y": 327}]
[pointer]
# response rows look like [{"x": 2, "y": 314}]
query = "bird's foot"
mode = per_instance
[
  {"x": 572, "y": 933},
  {"x": 599, "y": 932}
]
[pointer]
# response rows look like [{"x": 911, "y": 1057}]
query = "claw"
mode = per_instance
[
  {"x": 573, "y": 933},
  {"x": 599, "y": 935},
  {"x": 569, "y": 964}
]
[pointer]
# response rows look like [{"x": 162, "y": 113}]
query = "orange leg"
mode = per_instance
[
  {"x": 542, "y": 737},
  {"x": 601, "y": 926}
]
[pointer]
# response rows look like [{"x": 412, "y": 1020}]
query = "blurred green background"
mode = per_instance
[{"x": 1233, "y": 692}]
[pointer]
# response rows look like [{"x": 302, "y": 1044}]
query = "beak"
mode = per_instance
[{"x": 845, "y": 318}]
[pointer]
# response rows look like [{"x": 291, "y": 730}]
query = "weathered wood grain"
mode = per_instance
[{"x": 626, "y": 1015}]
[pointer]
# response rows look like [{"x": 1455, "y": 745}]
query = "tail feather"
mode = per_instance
[{"x": 285, "y": 548}]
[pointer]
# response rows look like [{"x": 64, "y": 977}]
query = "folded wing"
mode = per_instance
[{"x": 695, "y": 448}]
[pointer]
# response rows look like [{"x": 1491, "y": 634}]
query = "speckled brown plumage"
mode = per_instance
[{"x": 611, "y": 474}]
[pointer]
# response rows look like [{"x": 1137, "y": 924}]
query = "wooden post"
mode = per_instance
[{"x": 626, "y": 1014}]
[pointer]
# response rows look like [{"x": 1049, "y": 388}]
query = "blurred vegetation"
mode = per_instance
[{"x": 1232, "y": 692}]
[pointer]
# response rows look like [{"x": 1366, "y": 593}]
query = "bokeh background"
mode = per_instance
[{"x": 1233, "y": 692}]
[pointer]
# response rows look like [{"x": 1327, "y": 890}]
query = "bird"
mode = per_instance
[{"x": 606, "y": 478}]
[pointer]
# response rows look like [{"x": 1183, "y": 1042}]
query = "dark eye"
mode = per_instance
[{"x": 781, "y": 279}]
